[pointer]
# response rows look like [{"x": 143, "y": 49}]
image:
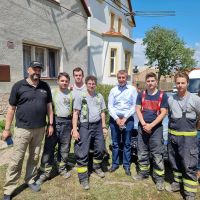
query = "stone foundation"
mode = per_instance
[{"x": 3, "y": 104}]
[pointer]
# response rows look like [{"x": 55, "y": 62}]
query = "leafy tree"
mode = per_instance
[{"x": 167, "y": 51}]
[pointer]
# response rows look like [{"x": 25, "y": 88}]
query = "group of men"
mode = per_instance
[{"x": 79, "y": 111}]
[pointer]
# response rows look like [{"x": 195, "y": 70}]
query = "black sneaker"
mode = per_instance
[
  {"x": 7, "y": 197},
  {"x": 34, "y": 187},
  {"x": 174, "y": 187},
  {"x": 127, "y": 172}
]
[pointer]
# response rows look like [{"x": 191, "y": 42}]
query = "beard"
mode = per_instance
[{"x": 35, "y": 77}]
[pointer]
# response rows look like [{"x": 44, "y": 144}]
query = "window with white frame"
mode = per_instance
[
  {"x": 47, "y": 56},
  {"x": 127, "y": 63},
  {"x": 113, "y": 61}
]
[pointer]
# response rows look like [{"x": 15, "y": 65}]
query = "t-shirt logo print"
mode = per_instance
[
  {"x": 43, "y": 91},
  {"x": 66, "y": 101}
]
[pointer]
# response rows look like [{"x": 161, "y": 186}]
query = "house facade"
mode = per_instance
[
  {"x": 53, "y": 32},
  {"x": 109, "y": 38}
]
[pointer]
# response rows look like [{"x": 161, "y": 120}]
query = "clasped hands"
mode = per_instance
[{"x": 147, "y": 127}]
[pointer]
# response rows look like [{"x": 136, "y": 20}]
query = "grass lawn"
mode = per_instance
[{"x": 115, "y": 186}]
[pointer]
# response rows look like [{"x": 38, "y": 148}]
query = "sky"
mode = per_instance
[{"x": 186, "y": 23}]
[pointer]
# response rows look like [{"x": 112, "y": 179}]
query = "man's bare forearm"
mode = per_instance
[
  {"x": 75, "y": 119},
  {"x": 50, "y": 113},
  {"x": 9, "y": 116},
  {"x": 139, "y": 115},
  {"x": 103, "y": 119}
]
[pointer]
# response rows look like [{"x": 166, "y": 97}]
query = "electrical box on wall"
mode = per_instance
[{"x": 4, "y": 73}]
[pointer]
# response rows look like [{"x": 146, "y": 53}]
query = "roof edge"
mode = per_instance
[
  {"x": 131, "y": 10},
  {"x": 86, "y": 8}
]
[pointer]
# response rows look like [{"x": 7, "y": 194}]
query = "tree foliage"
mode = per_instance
[{"x": 167, "y": 51}]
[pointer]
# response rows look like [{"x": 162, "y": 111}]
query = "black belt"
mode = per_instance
[{"x": 64, "y": 118}]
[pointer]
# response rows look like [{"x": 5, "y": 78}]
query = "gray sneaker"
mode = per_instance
[
  {"x": 100, "y": 173},
  {"x": 174, "y": 187},
  {"x": 42, "y": 178},
  {"x": 139, "y": 177},
  {"x": 65, "y": 174},
  {"x": 34, "y": 187},
  {"x": 160, "y": 186},
  {"x": 85, "y": 185},
  {"x": 190, "y": 198}
]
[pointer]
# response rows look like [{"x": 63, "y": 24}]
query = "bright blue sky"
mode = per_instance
[{"x": 186, "y": 22}]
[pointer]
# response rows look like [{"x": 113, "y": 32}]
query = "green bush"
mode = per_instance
[
  {"x": 2, "y": 125},
  {"x": 105, "y": 90}
]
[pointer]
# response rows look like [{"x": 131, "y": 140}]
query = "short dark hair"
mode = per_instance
[
  {"x": 181, "y": 75},
  {"x": 151, "y": 75},
  {"x": 122, "y": 71},
  {"x": 92, "y": 78},
  {"x": 63, "y": 74},
  {"x": 78, "y": 69}
]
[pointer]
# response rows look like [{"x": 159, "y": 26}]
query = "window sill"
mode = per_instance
[
  {"x": 113, "y": 75},
  {"x": 48, "y": 78}
]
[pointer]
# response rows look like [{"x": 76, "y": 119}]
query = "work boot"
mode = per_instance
[
  {"x": 42, "y": 178},
  {"x": 65, "y": 174},
  {"x": 85, "y": 184},
  {"x": 160, "y": 185},
  {"x": 190, "y": 198},
  {"x": 7, "y": 197},
  {"x": 99, "y": 172},
  {"x": 139, "y": 177},
  {"x": 174, "y": 187},
  {"x": 34, "y": 187}
]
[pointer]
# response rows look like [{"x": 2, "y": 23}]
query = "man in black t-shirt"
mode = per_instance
[{"x": 30, "y": 100}]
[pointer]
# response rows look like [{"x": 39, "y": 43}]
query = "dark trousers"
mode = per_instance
[
  {"x": 151, "y": 144},
  {"x": 198, "y": 136},
  {"x": 89, "y": 132},
  {"x": 62, "y": 137},
  {"x": 126, "y": 141},
  {"x": 183, "y": 156}
]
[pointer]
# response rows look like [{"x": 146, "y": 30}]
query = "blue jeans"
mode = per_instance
[{"x": 126, "y": 141}]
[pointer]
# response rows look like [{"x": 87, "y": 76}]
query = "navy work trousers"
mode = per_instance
[
  {"x": 62, "y": 137},
  {"x": 89, "y": 132},
  {"x": 151, "y": 144},
  {"x": 183, "y": 156}
]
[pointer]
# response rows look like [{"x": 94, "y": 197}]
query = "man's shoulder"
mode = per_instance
[
  {"x": 131, "y": 87},
  {"x": 19, "y": 83},
  {"x": 194, "y": 97},
  {"x": 44, "y": 83},
  {"x": 114, "y": 88},
  {"x": 99, "y": 95}
]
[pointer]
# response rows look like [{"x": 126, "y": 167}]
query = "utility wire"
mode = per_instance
[{"x": 149, "y": 13}]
